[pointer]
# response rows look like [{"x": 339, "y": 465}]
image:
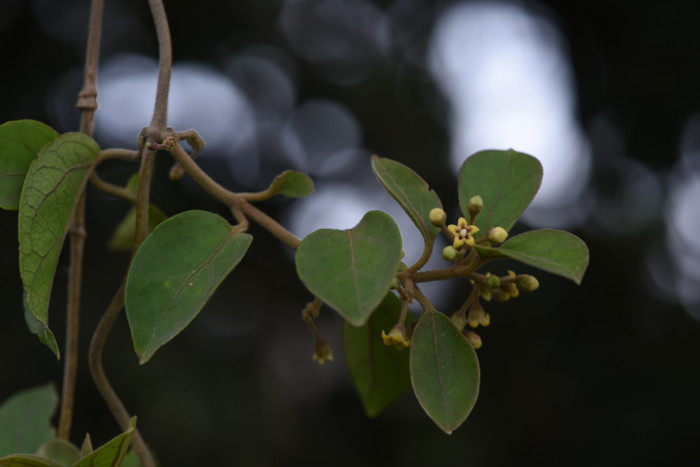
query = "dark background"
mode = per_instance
[{"x": 605, "y": 373}]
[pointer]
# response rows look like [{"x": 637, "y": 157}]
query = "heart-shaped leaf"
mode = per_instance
[
  {"x": 444, "y": 371},
  {"x": 507, "y": 181},
  {"x": 25, "y": 420},
  {"x": 20, "y": 142},
  {"x": 173, "y": 274},
  {"x": 410, "y": 191},
  {"x": 51, "y": 188},
  {"x": 554, "y": 251},
  {"x": 380, "y": 372},
  {"x": 352, "y": 270}
]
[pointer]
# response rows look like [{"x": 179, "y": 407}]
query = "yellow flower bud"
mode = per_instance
[
  {"x": 473, "y": 338},
  {"x": 497, "y": 235},
  {"x": 477, "y": 316},
  {"x": 459, "y": 321},
  {"x": 322, "y": 353},
  {"x": 475, "y": 205},
  {"x": 437, "y": 217}
]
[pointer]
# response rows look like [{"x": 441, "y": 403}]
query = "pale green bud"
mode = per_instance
[
  {"x": 527, "y": 283},
  {"x": 494, "y": 282},
  {"x": 449, "y": 253}
]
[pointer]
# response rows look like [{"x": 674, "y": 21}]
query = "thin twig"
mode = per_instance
[
  {"x": 165, "y": 65},
  {"x": 272, "y": 226},
  {"x": 116, "y": 406},
  {"x": 111, "y": 189},
  {"x": 75, "y": 275},
  {"x": 104, "y": 327},
  {"x": 87, "y": 104},
  {"x": 87, "y": 97}
]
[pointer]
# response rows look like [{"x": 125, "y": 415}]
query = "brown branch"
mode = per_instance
[
  {"x": 104, "y": 327},
  {"x": 87, "y": 97},
  {"x": 165, "y": 66},
  {"x": 116, "y": 406},
  {"x": 87, "y": 104}
]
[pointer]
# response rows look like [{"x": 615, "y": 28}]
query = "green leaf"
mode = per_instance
[
  {"x": 352, "y": 270},
  {"x": 123, "y": 236},
  {"x": 379, "y": 372},
  {"x": 131, "y": 460},
  {"x": 44, "y": 334},
  {"x": 20, "y": 141},
  {"x": 86, "y": 447},
  {"x": 507, "y": 181},
  {"x": 444, "y": 371},
  {"x": 25, "y": 420},
  {"x": 291, "y": 184},
  {"x": 410, "y": 191},
  {"x": 28, "y": 460},
  {"x": 173, "y": 274},
  {"x": 60, "y": 450},
  {"x": 51, "y": 189},
  {"x": 554, "y": 251},
  {"x": 112, "y": 453}
]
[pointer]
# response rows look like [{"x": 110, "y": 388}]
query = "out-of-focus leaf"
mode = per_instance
[
  {"x": 25, "y": 420},
  {"x": 380, "y": 372},
  {"x": 20, "y": 141}
]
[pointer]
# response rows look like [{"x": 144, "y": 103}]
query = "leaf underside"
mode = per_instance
[{"x": 51, "y": 189}]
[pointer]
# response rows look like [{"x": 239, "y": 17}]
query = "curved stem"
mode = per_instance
[
  {"x": 272, "y": 226},
  {"x": 104, "y": 327},
  {"x": 99, "y": 376},
  {"x": 427, "y": 251},
  {"x": 111, "y": 189},
  {"x": 201, "y": 178}
]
